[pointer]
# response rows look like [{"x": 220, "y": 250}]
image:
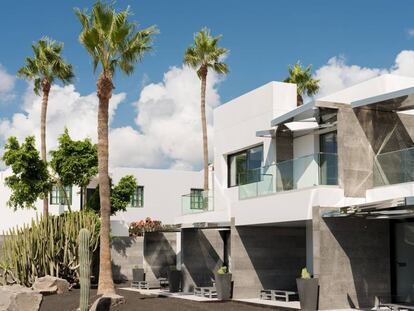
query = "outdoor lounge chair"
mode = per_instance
[
  {"x": 276, "y": 294},
  {"x": 207, "y": 292},
  {"x": 154, "y": 284}
]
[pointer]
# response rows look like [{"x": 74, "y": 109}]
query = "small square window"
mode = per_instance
[
  {"x": 137, "y": 199},
  {"x": 59, "y": 194}
]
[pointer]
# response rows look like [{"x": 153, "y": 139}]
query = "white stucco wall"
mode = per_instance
[
  {"x": 10, "y": 218},
  {"x": 162, "y": 195}
]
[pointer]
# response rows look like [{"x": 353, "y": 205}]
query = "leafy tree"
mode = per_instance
[
  {"x": 113, "y": 43},
  {"x": 203, "y": 55},
  {"x": 30, "y": 179},
  {"x": 46, "y": 66},
  {"x": 302, "y": 77},
  {"x": 75, "y": 162},
  {"x": 121, "y": 195}
]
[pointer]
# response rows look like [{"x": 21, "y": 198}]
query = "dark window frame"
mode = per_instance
[
  {"x": 137, "y": 199},
  {"x": 196, "y": 198},
  {"x": 230, "y": 156},
  {"x": 57, "y": 195}
]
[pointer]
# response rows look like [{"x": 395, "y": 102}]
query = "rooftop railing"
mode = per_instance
[
  {"x": 196, "y": 203},
  {"x": 307, "y": 171},
  {"x": 394, "y": 167}
]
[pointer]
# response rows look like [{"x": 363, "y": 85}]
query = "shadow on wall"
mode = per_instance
[
  {"x": 126, "y": 252},
  {"x": 121, "y": 244},
  {"x": 203, "y": 254},
  {"x": 159, "y": 253},
  {"x": 355, "y": 262},
  {"x": 267, "y": 258}
]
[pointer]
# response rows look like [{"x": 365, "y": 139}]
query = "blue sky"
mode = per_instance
[{"x": 263, "y": 37}]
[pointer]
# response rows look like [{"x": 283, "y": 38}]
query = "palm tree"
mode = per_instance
[
  {"x": 203, "y": 55},
  {"x": 113, "y": 43},
  {"x": 46, "y": 66},
  {"x": 302, "y": 77}
]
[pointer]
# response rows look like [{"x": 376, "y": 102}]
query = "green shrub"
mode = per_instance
[
  {"x": 49, "y": 246},
  {"x": 305, "y": 274},
  {"x": 222, "y": 270}
]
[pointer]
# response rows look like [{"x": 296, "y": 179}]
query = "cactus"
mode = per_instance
[
  {"x": 84, "y": 269},
  {"x": 47, "y": 246}
]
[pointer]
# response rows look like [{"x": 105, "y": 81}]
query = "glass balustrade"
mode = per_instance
[
  {"x": 394, "y": 167},
  {"x": 303, "y": 172},
  {"x": 196, "y": 203}
]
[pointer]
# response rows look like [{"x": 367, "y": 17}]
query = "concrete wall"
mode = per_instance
[
  {"x": 203, "y": 253},
  {"x": 266, "y": 257},
  {"x": 159, "y": 254},
  {"x": 155, "y": 253},
  {"x": 351, "y": 260},
  {"x": 126, "y": 252}
]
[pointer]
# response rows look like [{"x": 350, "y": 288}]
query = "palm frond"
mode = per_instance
[{"x": 206, "y": 52}]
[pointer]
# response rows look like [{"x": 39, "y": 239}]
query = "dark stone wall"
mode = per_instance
[
  {"x": 126, "y": 252},
  {"x": 159, "y": 254},
  {"x": 351, "y": 260},
  {"x": 155, "y": 253},
  {"x": 266, "y": 257},
  {"x": 284, "y": 144},
  {"x": 203, "y": 254},
  {"x": 362, "y": 134}
]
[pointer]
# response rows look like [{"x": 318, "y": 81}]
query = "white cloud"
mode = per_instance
[
  {"x": 66, "y": 108},
  {"x": 7, "y": 82},
  {"x": 168, "y": 126},
  {"x": 337, "y": 74}
]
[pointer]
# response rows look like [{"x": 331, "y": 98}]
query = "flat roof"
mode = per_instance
[
  {"x": 303, "y": 112},
  {"x": 391, "y": 101}
]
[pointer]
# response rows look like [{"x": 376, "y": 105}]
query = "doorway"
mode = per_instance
[{"x": 403, "y": 261}]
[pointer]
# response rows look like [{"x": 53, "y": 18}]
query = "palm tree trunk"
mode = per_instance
[
  {"x": 299, "y": 101},
  {"x": 204, "y": 127},
  {"x": 45, "y": 100},
  {"x": 106, "y": 283}
]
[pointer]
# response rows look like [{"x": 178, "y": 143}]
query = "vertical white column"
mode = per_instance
[
  {"x": 309, "y": 246},
  {"x": 178, "y": 252}
]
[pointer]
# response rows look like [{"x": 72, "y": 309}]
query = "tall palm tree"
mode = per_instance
[
  {"x": 113, "y": 43},
  {"x": 302, "y": 77},
  {"x": 202, "y": 55},
  {"x": 46, "y": 66}
]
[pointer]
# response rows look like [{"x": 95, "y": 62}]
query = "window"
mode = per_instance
[
  {"x": 137, "y": 199},
  {"x": 328, "y": 160},
  {"x": 196, "y": 199},
  {"x": 57, "y": 195},
  {"x": 244, "y": 167}
]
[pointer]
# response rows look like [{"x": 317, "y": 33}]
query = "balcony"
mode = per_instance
[
  {"x": 196, "y": 203},
  {"x": 307, "y": 171},
  {"x": 394, "y": 167}
]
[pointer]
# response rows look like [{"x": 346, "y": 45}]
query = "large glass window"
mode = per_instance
[
  {"x": 244, "y": 167},
  {"x": 328, "y": 160},
  {"x": 137, "y": 199},
  {"x": 57, "y": 195}
]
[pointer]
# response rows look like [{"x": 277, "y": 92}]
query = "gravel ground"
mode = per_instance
[{"x": 135, "y": 301}]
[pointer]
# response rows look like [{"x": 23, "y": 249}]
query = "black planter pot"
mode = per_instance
[
  {"x": 223, "y": 286},
  {"x": 308, "y": 293},
  {"x": 138, "y": 275},
  {"x": 174, "y": 281}
]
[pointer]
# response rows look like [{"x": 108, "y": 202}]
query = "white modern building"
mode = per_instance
[{"x": 327, "y": 186}]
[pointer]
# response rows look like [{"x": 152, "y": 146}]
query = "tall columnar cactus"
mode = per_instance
[
  {"x": 84, "y": 269},
  {"x": 47, "y": 246}
]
